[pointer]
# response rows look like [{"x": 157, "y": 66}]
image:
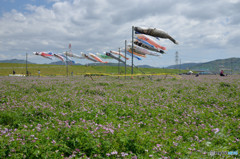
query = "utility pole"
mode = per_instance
[
  {"x": 66, "y": 64},
  {"x": 132, "y": 46},
  {"x": 119, "y": 61},
  {"x": 176, "y": 60},
  {"x": 26, "y": 65},
  {"x": 70, "y": 51},
  {"x": 180, "y": 69},
  {"x": 125, "y": 57}
]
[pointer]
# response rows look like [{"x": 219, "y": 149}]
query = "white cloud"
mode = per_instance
[{"x": 101, "y": 25}]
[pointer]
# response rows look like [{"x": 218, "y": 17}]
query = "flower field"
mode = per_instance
[{"x": 75, "y": 117}]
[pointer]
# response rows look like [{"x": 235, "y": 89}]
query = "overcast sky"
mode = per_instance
[{"x": 205, "y": 29}]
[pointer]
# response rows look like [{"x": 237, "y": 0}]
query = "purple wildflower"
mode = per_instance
[
  {"x": 216, "y": 130},
  {"x": 53, "y": 142}
]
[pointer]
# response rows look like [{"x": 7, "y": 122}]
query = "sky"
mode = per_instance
[{"x": 206, "y": 30}]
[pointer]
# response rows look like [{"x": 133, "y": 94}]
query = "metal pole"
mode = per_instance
[
  {"x": 26, "y": 65},
  {"x": 125, "y": 57},
  {"x": 176, "y": 61},
  {"x": 132, "y": 46},
  {"x": 180, "y": 71},
  {"x": 66, "y": 64},
  {"x": 70, "y": 51},
  {"x": 119, "y": 61}
]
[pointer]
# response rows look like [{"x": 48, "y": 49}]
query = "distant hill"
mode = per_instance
[
  {"x": 15, "y": 61},
  {"x": 100, "y": 64},
  {"x": 116, "y": 64},
  {"x": 183, "y": 66},
  {"x": 145, "y": 66},
  {"x": 62, "y": 63},
  {"x": 89, "y": 64},
  {"x": 212, "y": 66},
  {"x": 105, "y": 64},
  {"x": 57, "y": 63}
]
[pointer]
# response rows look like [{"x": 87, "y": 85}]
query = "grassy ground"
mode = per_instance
[
  {"x": 60, "y": 70},
  {"x": 59, "y": 117}
]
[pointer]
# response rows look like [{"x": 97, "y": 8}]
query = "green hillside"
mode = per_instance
[
  {"x": 15, "y": 61},
  {"x": 60, "y": 70},
  {"x": 230, "y": 65}
]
